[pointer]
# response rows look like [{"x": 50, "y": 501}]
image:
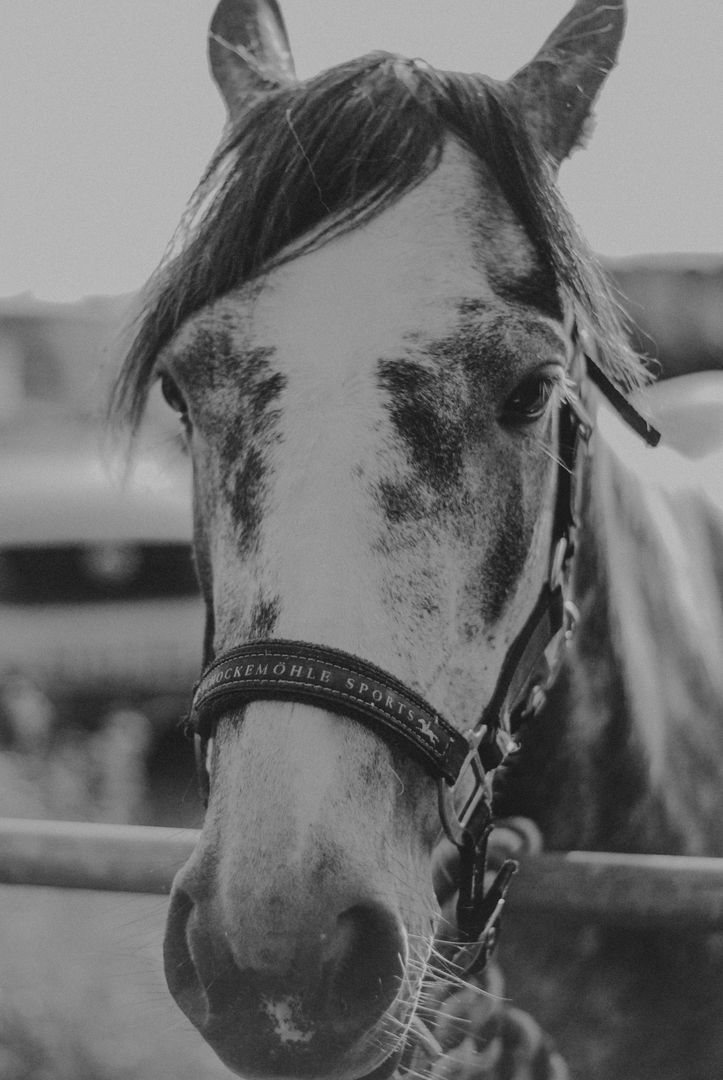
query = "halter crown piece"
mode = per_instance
[{"x": 461, "y": 762}]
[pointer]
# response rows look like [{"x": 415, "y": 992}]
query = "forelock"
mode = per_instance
[{"x": 319, "y": 157}]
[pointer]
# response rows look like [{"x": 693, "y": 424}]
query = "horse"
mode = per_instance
[{"x": 388, "y": 345}]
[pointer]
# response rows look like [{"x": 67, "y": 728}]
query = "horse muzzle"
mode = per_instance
[
  {"x": 286, "y": 945},
  {"x": 325, "y": 998}
]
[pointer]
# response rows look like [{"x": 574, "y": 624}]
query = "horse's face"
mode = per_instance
[
  {"x": 371, "y": 424},
  {"x": 370, "y": 432}
]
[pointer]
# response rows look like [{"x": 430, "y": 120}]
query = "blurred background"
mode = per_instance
[{"x": 109, "y": 119}]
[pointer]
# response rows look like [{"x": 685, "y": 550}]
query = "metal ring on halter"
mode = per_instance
[{"x": 456, "y": 823}]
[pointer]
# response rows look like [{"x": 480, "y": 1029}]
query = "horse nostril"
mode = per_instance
[
  {"x": 365, "y": 965},
  {"x": 181, "y": 974}
]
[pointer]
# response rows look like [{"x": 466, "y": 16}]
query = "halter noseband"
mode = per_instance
[{"x": 334, "y": 680}]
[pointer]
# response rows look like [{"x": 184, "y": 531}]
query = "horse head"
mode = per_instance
[{"x": 365, "y": 338}]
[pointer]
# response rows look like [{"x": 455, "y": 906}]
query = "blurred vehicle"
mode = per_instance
[{"x": 98, "y": 597}]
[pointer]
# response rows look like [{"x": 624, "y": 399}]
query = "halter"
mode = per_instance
[{"x": 462, "y": 763}]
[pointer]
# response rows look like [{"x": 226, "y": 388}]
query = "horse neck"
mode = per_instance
[
  {"x": 631, "y": 736},
  {"x": 581, "y": 773}
]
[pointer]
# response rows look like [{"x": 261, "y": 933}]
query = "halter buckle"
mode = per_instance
[{"x": 487, "y": 748}]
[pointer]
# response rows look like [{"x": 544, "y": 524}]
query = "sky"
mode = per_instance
[{"x": 109, "y": 116}]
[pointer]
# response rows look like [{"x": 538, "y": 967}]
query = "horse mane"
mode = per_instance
[
  {"x": 311, "y": 160},
  {"x": 658, "y": 519}
]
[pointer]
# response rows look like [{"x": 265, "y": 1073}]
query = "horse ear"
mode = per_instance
[
  {"x": 558, "y": 88},
  {"x": 248, "y": 50}
]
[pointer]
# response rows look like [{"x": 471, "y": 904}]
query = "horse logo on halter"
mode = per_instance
[{"x": 426, "y": 729}]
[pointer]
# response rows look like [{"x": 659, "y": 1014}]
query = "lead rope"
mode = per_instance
[{"x": 465, "y": 1028}]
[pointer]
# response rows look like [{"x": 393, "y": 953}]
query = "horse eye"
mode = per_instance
[
  {"x": 173, "y": 395},
  {"x": 530, "y": 400}
]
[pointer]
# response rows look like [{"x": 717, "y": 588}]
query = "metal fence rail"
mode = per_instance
[{"x": 679, "y": 892}]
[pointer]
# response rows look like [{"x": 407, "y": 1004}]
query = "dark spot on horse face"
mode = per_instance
[
  {"x": 507, "y": 553},
  {"x": 250, "y": 432},
  {"x": 264, "y": 614},
  {"x": 261, "y": 392},
  {"x": 255, "y": 387},
  {"x": 247, "y": 500},
  {"x": 428, "y": 418},
  {"x": 444, "y": 407},
  {"x": 399, "y": 502},
  {"x": 445, "y": 412},
  {"x": 235, "y": 390},
  {"x": 204, "y": 358}
]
